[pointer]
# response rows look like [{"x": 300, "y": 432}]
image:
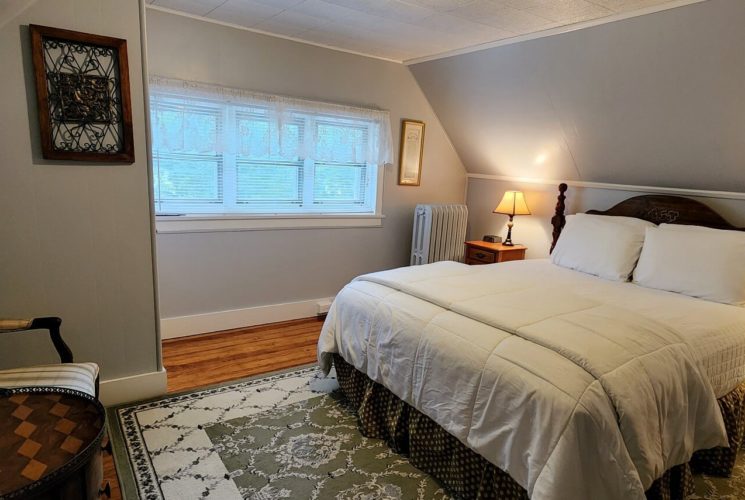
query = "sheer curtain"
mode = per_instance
[
  {"x": 273, "y": 132},
  {"x": 220, "y": 150}
]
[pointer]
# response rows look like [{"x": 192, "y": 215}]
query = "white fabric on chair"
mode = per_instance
[{"x": 77, "y": 376}]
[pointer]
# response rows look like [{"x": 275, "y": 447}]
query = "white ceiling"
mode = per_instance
[{"x": 403, "y": 30}]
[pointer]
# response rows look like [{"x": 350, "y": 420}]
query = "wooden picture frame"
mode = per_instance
[
  {"x": 411, "y": 153},
  {"x": 82, "y": 92}
]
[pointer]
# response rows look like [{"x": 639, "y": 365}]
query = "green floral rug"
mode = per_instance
[
  {"x": 314, "y": 450},
  {"x": 283, "y": 435}
]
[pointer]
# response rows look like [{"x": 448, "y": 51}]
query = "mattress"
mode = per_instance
[{"x": 377, "y": 321}]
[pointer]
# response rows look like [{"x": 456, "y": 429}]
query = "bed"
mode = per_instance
[{"x": 530, "y": 380}]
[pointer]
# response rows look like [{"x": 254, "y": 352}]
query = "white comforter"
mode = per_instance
[{"x": 576, "y": 386}]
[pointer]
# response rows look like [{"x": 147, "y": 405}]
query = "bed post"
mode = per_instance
[{"x": 558, "y": 220}]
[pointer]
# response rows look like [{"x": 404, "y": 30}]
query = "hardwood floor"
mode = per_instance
[{"x": 212, "y": 358}]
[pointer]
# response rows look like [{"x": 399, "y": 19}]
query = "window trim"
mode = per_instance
[
  {"x": 170, "y": 224},
  {"x": 184, "y": 221}
]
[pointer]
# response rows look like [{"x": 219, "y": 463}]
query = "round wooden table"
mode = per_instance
[{"x": 50, "y": 444}]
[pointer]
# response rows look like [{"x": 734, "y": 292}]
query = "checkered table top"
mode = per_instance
[{"x": 42, "y": 433}]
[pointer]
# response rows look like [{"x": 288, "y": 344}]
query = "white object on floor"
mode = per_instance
[{"x": 323, "y": 306}]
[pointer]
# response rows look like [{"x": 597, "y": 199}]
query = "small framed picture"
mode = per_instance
[{"x": 410, "y": 155}]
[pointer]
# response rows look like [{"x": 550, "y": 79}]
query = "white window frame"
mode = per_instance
[{"x": 210, "y": 222}]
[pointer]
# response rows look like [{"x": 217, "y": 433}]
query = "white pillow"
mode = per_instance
[
  {"x": 696, "y": 261},
  {"x": 601, "y": 245}
]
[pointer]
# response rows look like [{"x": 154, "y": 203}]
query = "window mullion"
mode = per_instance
[
  {"x": 371, "y": 179},
  {"x": 309, "y": 139},
  {"x": 230, "y": 148},
  {"x": 371, "y": 176}
]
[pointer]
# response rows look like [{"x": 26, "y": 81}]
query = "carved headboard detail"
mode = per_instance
[{"x": 654, "y": 208}]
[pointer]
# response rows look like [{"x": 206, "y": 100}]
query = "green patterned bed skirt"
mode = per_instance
[{"x": 465, "y": 474}]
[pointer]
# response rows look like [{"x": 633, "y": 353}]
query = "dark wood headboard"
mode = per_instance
[{"x": 654, "y": 208}]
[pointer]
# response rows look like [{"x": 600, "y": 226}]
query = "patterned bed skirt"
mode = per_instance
[{"x": 465, "y": 474}]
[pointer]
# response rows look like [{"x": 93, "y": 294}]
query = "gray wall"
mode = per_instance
[
  {"x": 653, "y": 100},
  {"x": 76, "y": 239},
  {"x": 209, "y": 272},
  {"x": 534, "y": 230}
]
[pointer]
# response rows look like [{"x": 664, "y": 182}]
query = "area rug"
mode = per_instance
[{"x": 283, "y": 435}]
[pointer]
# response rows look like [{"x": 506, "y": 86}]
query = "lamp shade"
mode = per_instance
[{"x": 513, "y": 203}]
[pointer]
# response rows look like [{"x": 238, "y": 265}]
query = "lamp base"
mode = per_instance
[{"x": 508, "y": 240}]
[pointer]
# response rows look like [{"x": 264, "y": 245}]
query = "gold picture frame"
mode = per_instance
[{"x": 410, "y": 153}]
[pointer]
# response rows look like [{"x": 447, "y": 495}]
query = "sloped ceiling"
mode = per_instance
[{"x": 656, "y": 100}]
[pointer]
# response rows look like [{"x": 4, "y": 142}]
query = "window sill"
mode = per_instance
[{"x": 165, "y": 224}]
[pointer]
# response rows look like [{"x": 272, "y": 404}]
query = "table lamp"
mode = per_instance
[{"x": 512, "y": 204}]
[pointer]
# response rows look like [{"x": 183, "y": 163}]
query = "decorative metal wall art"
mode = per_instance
[{"x": 82, "y": 90}]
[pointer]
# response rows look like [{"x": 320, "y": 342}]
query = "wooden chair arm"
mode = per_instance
[
  {"x": 47, "y": 323},
  {"x": 14, "y": 324}
]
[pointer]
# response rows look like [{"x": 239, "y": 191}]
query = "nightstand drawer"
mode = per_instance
[
  {"x": 481, "y": 255},
  {"x": 482, "y": 252}
]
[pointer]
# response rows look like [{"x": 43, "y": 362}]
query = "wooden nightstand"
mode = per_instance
[{"x": 483, "y": 252}]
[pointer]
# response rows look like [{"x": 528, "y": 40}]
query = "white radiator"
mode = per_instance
[{"x": 439, "y": 233}]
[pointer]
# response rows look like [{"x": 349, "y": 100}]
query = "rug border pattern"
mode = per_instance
[{"x": 127, "y": 444}]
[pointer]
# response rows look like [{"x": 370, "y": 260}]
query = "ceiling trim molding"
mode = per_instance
[
  {"x": 267, "y": 33},
  {"x": 554, "y": 31},
  {"x": 729, "y": 195}
]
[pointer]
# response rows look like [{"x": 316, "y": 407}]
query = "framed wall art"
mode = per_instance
[
  {"x": 82, "y": 91},
  {"x": 411, "y": 152}
]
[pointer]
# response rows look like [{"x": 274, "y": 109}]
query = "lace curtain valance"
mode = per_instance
[{"x": 271, "y": 125}]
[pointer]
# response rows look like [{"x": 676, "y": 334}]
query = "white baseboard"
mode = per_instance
[
  {"x": 127, "y": 389},
  {"x": 182, "y": 326}
]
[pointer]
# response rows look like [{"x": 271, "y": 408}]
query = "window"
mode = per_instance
[{"x": 228, "y": 152}]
